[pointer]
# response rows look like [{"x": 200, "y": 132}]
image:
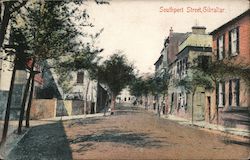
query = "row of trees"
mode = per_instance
[
  {"x": 203, "y": 74},
  {"x": 153, "y": 85}
]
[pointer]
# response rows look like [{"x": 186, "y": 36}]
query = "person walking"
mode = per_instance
[{"x": 106, "y": 107}]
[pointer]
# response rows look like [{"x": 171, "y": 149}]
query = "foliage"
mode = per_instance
[
  {"x": 137, "y": 87},
  {"x": 9, "y": 9},
  {"x": 46, "y": 28},
  {"x": 198, "y": 79},
  {"x": 86, "y": 58},
  {"x": 116, "y": 73},
  {"x": 228, "y": 68}
]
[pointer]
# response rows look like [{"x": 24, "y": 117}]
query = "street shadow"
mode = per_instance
[
  {"x": 228, "y": 142},
  {"x": 84, "y": 121},
  {"x": 117, "y": 136},
  {"x": 122, "y": 107},
  {"x": 47, "y": 141},
  {"x": 126, "y": 112},
  {"x": 237, "y": 117}
]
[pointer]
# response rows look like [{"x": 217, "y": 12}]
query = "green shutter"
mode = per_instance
[
  {"x": 217, "y": 93},
  {"x": 230, "y": 93},
  {"x": 229, "y": 43},
  {"x": 223, "y": 91},
  {"x": 223, "y": 51},
  {"x": 238, "y": 40},
  {"x": 237, "y": 90},
  {"x": 217, "y": 48}
]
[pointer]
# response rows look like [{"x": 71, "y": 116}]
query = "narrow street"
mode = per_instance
[{"x": 132, "y": 133}]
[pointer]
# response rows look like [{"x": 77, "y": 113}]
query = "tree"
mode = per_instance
[
  {"x": 226, "y": 68},
  {"x": 161, "y": 86},
  {"x": 191, "y": 82},
  {"x": 8, "y": 8},
  {"x": 141, "y": 87},
  {"x": 136, "y": 87},
  {"x": 48, "y": 32},
  {"x": 116, "y": 72}
]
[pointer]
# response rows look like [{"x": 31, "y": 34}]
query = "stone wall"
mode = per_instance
[
  {"x": 43, "y": 108},
  {"x": 49, "y": 108}
]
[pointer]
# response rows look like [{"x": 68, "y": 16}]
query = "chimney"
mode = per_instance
[{"x": 198, "y": 30}]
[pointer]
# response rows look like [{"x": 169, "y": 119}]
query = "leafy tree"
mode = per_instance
[
  {"x": 136, "y": 87},
  {"x": 47, "y": 31},
  {"x": 8, "y": 9},
  {"x": 116, "y": 72},
  {"x": 219, "y": 70},
  {"x": 191, "y": 82}
]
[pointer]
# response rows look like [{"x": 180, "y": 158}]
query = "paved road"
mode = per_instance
[{"x": 131, "y": 133}]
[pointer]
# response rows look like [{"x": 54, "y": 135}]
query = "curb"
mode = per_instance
[
  {"x": 187, "y": 123},
  {"x": 207, "y": 128},
  {"x": 65, "y": 118}
]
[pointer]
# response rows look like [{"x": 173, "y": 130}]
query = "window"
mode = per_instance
[
  {"x": 234, "y": 92},
  {"x": 80, "y": 77},
  {"x": 220, "y": 94},
  {"x": 234, "y": 42},
  {"x": 220, "y": 47},
  {"x": 204, "y": 62}
]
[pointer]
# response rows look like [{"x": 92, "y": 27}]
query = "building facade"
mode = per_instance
[
  {"x": 125, "y": 97},
  {"x": 188, "y": 103},
  {"x": 232, "y": 95}
]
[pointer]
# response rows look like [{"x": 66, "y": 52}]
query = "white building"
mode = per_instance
[{"x": 125, "y": 96}]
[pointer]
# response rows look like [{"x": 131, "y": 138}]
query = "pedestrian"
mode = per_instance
[
  {"x": 163, "y": 107},
  {"x": 106, "y": 106},
  {"x": 154, "y": 104}
]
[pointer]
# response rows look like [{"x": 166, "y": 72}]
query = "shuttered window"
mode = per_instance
[
  {"x": 234, "y": 41},
  {"x": 234, "y": 92},
  {"x": 220, "y": 94},
  {"x": 221, "y": 47}
]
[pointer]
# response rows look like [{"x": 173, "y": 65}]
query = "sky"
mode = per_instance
[{"x": 139, "y": 27}]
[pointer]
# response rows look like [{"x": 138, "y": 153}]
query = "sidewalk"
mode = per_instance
[
  {"x": 13, "y": 138},
  {"x": 205, "y": 125}
]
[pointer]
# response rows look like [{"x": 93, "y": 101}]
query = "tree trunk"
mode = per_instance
[
  {"x": 29, "y": 102},
  {"x": 4, "y": 22},
  {"x": 192, "y": 107},
  {"x": 25, "y": 95},
  {"x": 158, "y": 106},
  {"x": 113, "y": 97},
  {"x": 86, "y": 97},
  {"x": 217, "y": 114},
  {"x": 7, "y": 112}
]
